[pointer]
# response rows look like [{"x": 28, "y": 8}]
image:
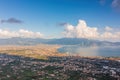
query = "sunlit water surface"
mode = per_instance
[{"x": 107, "y": 51}]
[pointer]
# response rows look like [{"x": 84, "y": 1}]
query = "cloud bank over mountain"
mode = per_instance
[
  {"x": 82, "y": 30},
  {"x": 20, "y": 33}
]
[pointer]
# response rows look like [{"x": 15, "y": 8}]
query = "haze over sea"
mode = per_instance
[{"x": 108, "y": 51}]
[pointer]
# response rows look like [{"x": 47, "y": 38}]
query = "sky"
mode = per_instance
[{"x": 92, "y": 19}]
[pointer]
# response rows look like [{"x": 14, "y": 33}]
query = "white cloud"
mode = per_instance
[
  {"x": 69, "y": 31},
  {"x": 81, "y": 31},
  {"x": 20, "y": 33},
  {"x": 107, "y": 28},
  {"x": 84, "y": 31}
]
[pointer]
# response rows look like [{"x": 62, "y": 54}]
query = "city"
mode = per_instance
[{"x": 58, "y": 68}]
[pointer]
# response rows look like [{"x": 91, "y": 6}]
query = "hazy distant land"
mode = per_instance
[{"x": 41, "y": 51}]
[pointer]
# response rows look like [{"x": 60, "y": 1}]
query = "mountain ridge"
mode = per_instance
[{"x": 60, "y": 41}]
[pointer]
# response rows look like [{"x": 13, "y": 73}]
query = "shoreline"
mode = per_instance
[{"x": 45, "y": 50}]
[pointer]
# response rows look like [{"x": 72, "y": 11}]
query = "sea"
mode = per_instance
[{"x": 104, "y": 51}]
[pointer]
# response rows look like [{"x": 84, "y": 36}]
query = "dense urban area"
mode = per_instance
[{"x": 58, "y": 68}]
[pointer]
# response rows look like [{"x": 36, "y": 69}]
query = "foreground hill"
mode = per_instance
[{"x": 57, "y": 68}]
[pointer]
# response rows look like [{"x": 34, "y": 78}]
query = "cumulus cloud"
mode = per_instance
[
  {"x": 20, "y": 33},
  {"x": 82, "y": 30},
  {"x": 11, "y": 20}
]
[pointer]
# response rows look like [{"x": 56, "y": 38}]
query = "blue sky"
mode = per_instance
[{"x": 44, "y": 16}]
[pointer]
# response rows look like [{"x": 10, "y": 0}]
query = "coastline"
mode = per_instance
[{"x": 44, "y": 50}]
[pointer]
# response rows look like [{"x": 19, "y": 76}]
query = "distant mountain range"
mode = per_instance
[{"x": 61, "y": 41}]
